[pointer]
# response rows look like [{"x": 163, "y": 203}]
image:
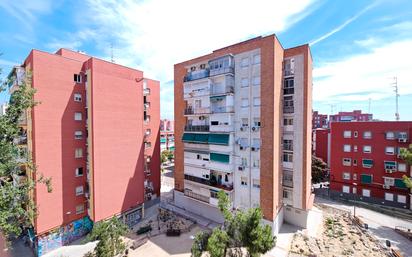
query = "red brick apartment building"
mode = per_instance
[
  {"x": 243, "y": 122},
  {"x": 96, "y": 134},
  {"x": 167, "y": 135},
  {"x": 365, "y": 161},
  {"x": 319, "y": 120},
  {"x": 355, "y": 115},
  {"x": 321, "y": 144}
]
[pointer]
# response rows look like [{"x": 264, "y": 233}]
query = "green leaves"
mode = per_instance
[
  {"x": 241, "y": 229},
  {"x": 109, "y": 234},
  {"x": 319, "y": 169},
  {"x": 406, "y": 155}
]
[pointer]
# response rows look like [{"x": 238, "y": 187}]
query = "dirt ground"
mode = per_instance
[{"x": 337, "y": 237}]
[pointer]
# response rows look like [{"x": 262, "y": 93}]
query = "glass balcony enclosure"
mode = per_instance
[{"x": 221, "y": 65}]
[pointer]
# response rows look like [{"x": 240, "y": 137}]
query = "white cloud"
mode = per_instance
[
  {"x": 343, "y": 25},
  {"x": 365, "y": 76},
  {"x": 154, "y": 35}
]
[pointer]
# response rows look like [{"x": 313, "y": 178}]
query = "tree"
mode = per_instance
[
  {"x": 109, "y": 233},
  {"x": 241, "y": 229},
  {"x": 167, "y": 155},
  {"x": 17, "y": 207},
  {"x": 319, "y": 169},
  {"x": 406, "y": 155}
]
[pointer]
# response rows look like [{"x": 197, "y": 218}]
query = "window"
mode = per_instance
[
  {"x": 77, "y": 116},
  {"x": 366, "y": 179},
  {"x": 390, "y": 135},
  {"x": 245, "y": 82},
  {"x": 389, "y": 181},
  {"x": 256, "y": 59},
  {"x": 288, "y": 122},
  {"x": 256, "y": 183},
  {"x": 245, "y": 122},
  {"x": 366, "y": 192},
  {"x": 77, "y": 78},
  {"x": 355, "y": 134},
  {"x": 367, "y": 163},
  {"x": 256, "y": 163},
  {"x": 288, "y": 145},
  {"x": 77, "y": 97},
  {"x": 78, "y": 153},
  {"x": 256, "y": 101},
  {"x": 149, "y": 131},
  {"x": 243, "y": 181},
  {"x": 79, "y": 209},
  {"x": 256, "y": 81},
  {"x": 367, "y": 149},
  {"x": 367, "y": 134},
  {"x": 256, "y": 122},
  {"x": 244, "y": 62},
  {"x": 198, "y": 103},
  {"x": 347, "y": 134},
  {"x": 245, "y": 102},
  {"x": 202, "y": 66},
  {"x": 390, "y": 150},
  {"x": 347, "y": 148},
  {"x": 401, "y": 198},
  {"x": 79, "y": 190},
  {"x": 355, "y": 148},
  {"x": 198, "y": 157},
  {"x": 389, "y": 197},
  {"x": 402, "y": 167},
  {"x": 79, "y": 172},
  {"x": 147, "y": 144},
  {"x": 288, "y": 86},
  {"x": 288, "y": 104},
  {"x": 244, "y": 161},
  {"x": 256, "y": 143},
  {"x": 346, "y": 189},
  {"x": 346, "y": 176},
  {"x": 346, "y": 161},
  {"x": 355, "y": 162},
  {"x": 355, "y": 176},
  {"x": 287, "y": 157},
  {"x": 287, "y": 194},
  {"x": 78, "y": 134}
]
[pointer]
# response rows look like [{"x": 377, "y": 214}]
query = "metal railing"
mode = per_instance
[
  {"x": 208, "y": 182},
  {"x": 288, "y": 109},
  {"x": 146, "y": 91},
  {"x": 222, "y": 109},
  {"x": 214, "y": 72},
  {"x": 200, "y": 128},
  {"x": 191, "y": 110},
  {"x": 197, "y": 196},
  {"x": 222, "y": 90},
  {"x": 194, "y": 75}
]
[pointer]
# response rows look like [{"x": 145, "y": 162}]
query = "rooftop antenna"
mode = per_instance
[
  {"x": 369, "y": 105},
  {"x": 332, "y": 106},
  {"x": 111, "y": 50},
  {"x": 395, "y": 86}
]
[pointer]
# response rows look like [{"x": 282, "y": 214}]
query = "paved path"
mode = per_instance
[{"x": 381, "y": 225}]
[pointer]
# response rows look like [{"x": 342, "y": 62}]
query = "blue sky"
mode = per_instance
[{"x": 357, "y": 46}]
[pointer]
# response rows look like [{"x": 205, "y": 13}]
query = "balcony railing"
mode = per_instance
[
  {"x": 209, "y": 182},
  {"x": 216, "y": 90},
  {"x": 196, "y": 196},
  {"x": 191, "y": 110},
  {"x": 288, "y": 109},
  {"x": 199, "y": 128},
  {"x": 222, "y": 109},
  {"x": 287, "y": 182},
  {"x": 194, "y": 75},
  {"x": 146, "y": 106},
  {"x": 146, "y": 91}
]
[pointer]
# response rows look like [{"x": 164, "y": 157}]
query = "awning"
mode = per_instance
[
  {"x": 217, "y": 157},
  {"x": 367, "y": 162},
  {"x": 195, "y": 138},
  {"x": 366, "y": 179},
  {"x": 219, "y": 139},
  {"x": 399, "y": 183}
]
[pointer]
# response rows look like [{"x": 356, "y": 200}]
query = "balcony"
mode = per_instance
[
  {"x": 197, "y": 111},
  {"x": 221, "y": 65},
  {"x": 222, "y": 109},
  {"x": 288, "y": 109},
  {"x": 146, "y": 106},
  {"x": 146, "y": 91},
  {"x": 207, "y": 182},
  {"x": 220, "y": 90},
  {"x": 197, "y": 128},
  {"x": 195, "y": 75}
]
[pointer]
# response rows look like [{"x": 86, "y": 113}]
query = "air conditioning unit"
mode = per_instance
[
  {"x": 255, "y": 128},
  {"x": 241, "y": 128},
  {"x": 402, "y": 140},
  {"x": 390, "y": 170},
  {"x": 386, "y": 186},
  {"x": 241, "y": 148},
  {"x": 241, "y": 168},
  {"x": 253, "y": 149}
]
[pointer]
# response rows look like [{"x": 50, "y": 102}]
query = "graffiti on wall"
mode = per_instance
[{"x": 63, "y": 235}]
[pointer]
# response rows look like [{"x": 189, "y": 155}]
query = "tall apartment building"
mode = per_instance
[
  {"x": 365, "y": 162},
  {"x": 355, "y": 115},
  {"x": 95, "y": 133},
  {"x": 319, "y": 120},
  {"x": 243, "y": 125},
  {"x": 321, "y": 144},
  {"x": 167, "y": 135}
]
